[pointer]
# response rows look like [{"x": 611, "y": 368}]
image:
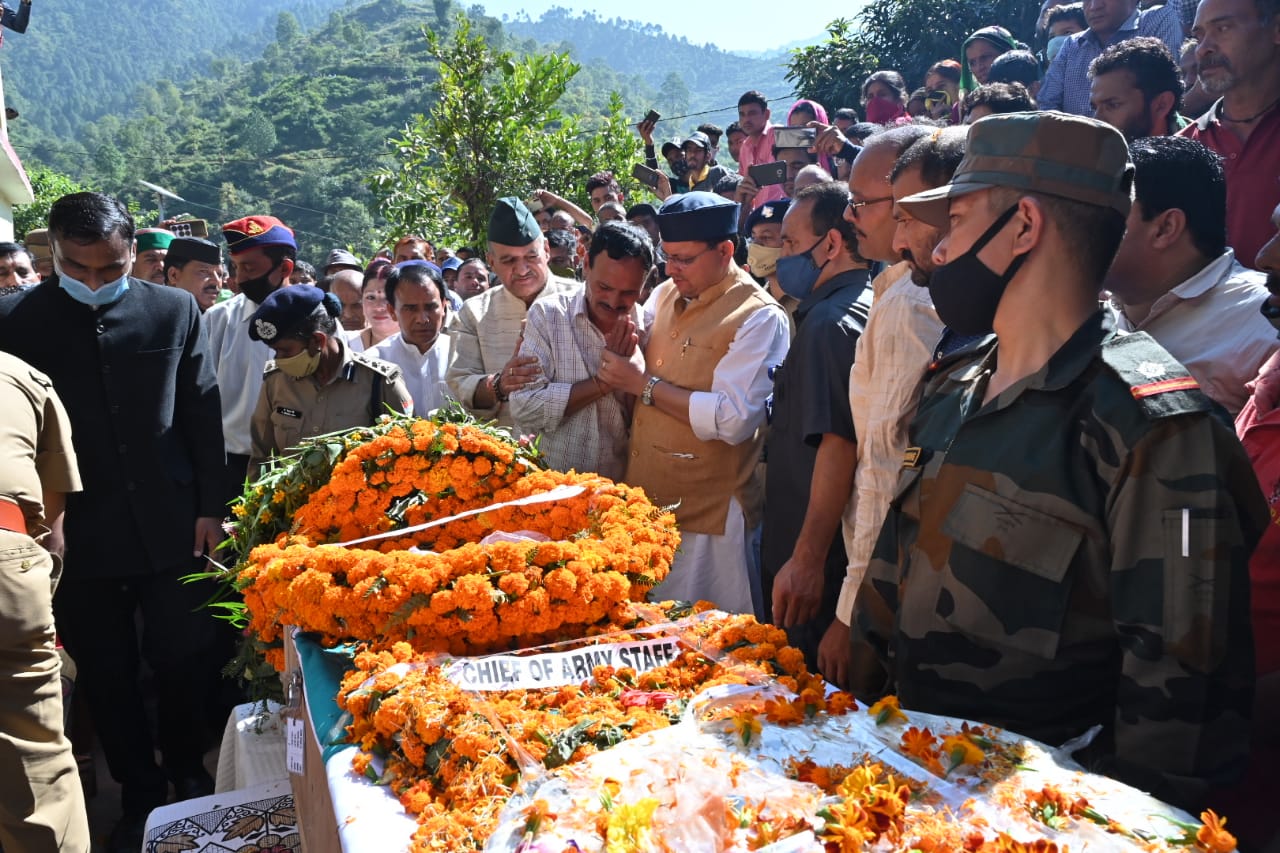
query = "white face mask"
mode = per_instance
[{"x": 108, "y": 294}]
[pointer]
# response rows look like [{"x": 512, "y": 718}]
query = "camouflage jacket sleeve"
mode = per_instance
[
  {"x": 1180, "y": 606},
  {"x": 875, "y": 606}
]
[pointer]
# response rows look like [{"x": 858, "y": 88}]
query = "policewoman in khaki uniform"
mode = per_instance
[
  {"x": 41, "y": 801},
  {"x": 315, "y": 384}
]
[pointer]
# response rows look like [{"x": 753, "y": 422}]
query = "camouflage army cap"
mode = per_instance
[{"x": 1049, "y": 152}]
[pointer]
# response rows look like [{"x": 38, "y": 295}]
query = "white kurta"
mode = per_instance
[
  {"x": 239, "y": 361},
  {"x": 423, "y": 372}
]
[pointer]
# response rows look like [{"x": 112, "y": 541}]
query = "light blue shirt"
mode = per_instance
[{"x": 1066, "y": 83}]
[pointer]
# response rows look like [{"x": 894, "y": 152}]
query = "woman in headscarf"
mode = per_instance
[
  {"x": 980, "y": 50},
  {"x": 804, "y": 111}
]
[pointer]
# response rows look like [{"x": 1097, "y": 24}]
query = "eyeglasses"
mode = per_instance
[
  {"x": 672, "y": 260},
  {"x": 855, "y": 205}
]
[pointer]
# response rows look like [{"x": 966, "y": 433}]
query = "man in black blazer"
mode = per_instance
[{"x": 130, "y": 361}]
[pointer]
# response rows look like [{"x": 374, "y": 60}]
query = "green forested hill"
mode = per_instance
[
  {"x": 79, "y": 59},
  {"x": 298, "y": 131},
  {"x": 685, "y": 77}
]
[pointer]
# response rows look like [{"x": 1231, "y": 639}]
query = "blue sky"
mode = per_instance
[{"x": 749, "y": 25}]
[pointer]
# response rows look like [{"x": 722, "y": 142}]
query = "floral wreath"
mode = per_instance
[{"x": 568, "y": 566}]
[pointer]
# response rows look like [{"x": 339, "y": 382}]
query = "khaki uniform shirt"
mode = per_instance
[
  {"x": 35, "y": 440},
  {"x": 290, "y": 409},
  {"x": 485, "y": 333},
  {"x": 1074, "y": 553}
]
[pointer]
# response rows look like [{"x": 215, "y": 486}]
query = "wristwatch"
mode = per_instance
[{"x": 646, "y": 396}]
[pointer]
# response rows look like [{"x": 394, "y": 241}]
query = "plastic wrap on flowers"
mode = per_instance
[
  {"x": 454, "y": 756},
  {"x": 877, "y": 780},
  {"x": 440, "y": 588}
]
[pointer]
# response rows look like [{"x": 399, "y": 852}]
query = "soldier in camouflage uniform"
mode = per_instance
[{"x": 1069, "y": 541}]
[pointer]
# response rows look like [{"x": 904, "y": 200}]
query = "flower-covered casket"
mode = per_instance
[{"x": 509, "y": 685}]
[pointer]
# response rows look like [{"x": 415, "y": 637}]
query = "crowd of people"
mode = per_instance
[{"x": 972, "y": 388}]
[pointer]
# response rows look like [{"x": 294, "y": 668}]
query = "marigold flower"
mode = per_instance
[
  {"x": 887, "y": 710},
  {"x": 629, "y": 829},
  {"x": 918, "y": 742},
  {"x": 1213, "y": 836},
  {"x": 746, "y": 725},
  {"x": 960, "y": 750}
]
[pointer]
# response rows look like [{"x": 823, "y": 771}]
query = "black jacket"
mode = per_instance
[{"x": 138, "y": 383}]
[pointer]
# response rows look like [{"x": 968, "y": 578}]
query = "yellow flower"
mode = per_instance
[
  {"x": 746, "y": 725},
  {"x": 887, "y": 710},
  {"x": 630, "y": 827},
  {"x": 960, "y": 750}
]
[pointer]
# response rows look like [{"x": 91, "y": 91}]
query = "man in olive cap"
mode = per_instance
[
  {"x": 486, "y": 331},
  {"x": 702, "y": 387},
  {"x": 1069, "y": 542}
]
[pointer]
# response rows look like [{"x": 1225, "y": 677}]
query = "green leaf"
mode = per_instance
[{"x": 564, "y": 744}]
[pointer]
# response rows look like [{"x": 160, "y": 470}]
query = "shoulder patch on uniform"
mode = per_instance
[
  {"x": 1156, "y": 380},
  {"x": 385, "y": 369},
  {"x": 270, "y": 368}
]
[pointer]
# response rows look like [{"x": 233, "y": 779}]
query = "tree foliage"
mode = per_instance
[
  {"x": 48, "y": 186},
  {"x": 495, "y": 130},
  {"x": 904, "y": 35}
]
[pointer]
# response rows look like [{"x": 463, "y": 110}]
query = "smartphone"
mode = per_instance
[
  {"x": 794, "y": 137},
  {"x": 190, "y": 228},
  {"x": 645, "y": 175},
  {"x": 768, "y": 174},
  {"x": 534, "y": 205},
  {"x": 652, "y": 115}
]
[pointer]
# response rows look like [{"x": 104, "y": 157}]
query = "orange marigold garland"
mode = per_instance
[
  {"x": 453, "y": 757},
  {"x": 604, "y": 547}
]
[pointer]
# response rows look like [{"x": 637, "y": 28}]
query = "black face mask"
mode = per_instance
[
  {"x": 258, "y": 289},
  {"x": 966, "y": 292}
]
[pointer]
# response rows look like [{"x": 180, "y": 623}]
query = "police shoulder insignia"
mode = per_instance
[
  {"x": 1156, "y": 380},
  {"x": 385, "y": 369}
]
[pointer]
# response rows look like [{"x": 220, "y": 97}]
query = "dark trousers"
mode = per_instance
[
  {"x": 233, "y": 483},
  {"x": 97, "y": 621}
]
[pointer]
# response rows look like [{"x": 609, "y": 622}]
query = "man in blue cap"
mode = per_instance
[
  {"x": 315, "y": 384},
  {"x": 702, "y": 382},
  {"x": 449, "y": 271}
]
